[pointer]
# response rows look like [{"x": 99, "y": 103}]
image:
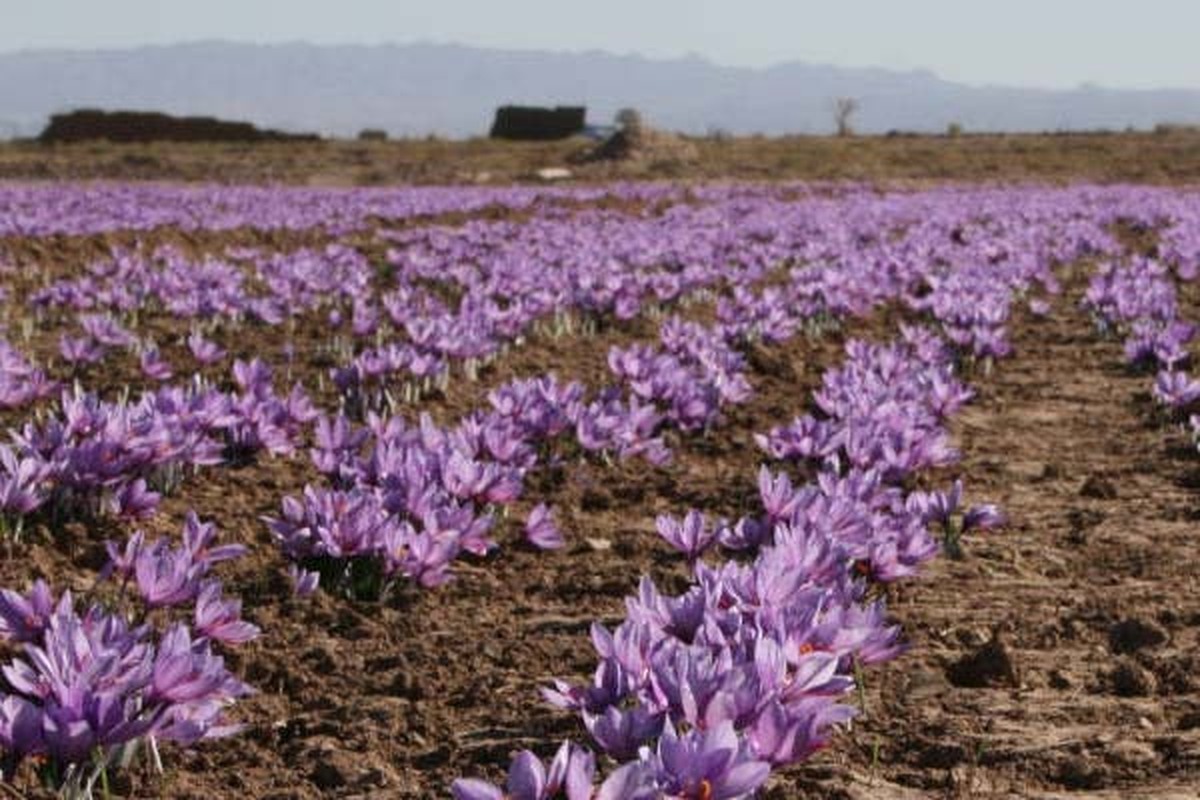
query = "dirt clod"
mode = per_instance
[
  {"x": 1060, "y": 680},
  {"x": 1098, "y": 487},
  {"x": 990, "y": 665},
  {"x": 1130, "y": 635},
  {"x": 1130, "y": 679}
]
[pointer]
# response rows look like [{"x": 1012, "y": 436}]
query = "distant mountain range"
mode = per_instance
[{"x": 452, "y": 90}]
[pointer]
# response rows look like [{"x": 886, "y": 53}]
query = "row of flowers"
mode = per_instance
[
  {"x": 1136, "y": 299},
  {"x": 462, "y": 295},
  {"x": 703, "y": 694}
]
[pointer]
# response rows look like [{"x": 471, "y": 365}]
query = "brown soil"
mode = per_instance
[{"x": 1166, "y": 157}]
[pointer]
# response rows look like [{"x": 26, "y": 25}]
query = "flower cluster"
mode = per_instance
[
  {"x": 1137, "y": 298},
  {"x": 20, "y": 382},
  {"x": 94, "y": 681},
  {"x": 99, "y": 456}
]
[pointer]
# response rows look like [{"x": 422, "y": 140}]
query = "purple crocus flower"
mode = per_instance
[
  {"x": 166, "y": 576},
  {"x": 23, "y": 618},
  {"x": 935, "y": 507},
  {"x": 304, "y": 582},
  {"x": 1039, "y": 307},
  {"x": 21, "y": 481},
  {"x": 637, "y": 780},
  {"x": 186, "y": 671},
  {"x": 708, "y": 765},
  {"x": 134, "y": 501},
  {"x": 337, "y": 445},
  {"x": 745, "y": 534},
  {"x": 788, "y": 734},
  {"x": 778, "y": 497},
  {"x": 154, "y": 366},
  {"x": 21, "y": 726},
  {"x": 84, "y": 678},
  {"x": 427, "y": 560},
  {"x": 1175, "y": 389},
  {"x": 541, "y": 530},
  {"x": 610, "y": 685},
  {"x": 80, "y": 350},
  {"x": 199, "y": 538},
  {"x": 221, "y": 619},
  {"x": 983, "y": 517},
  {"x": 204, "y": 350},
  {"x": 571, "y": 773},
  {"x": 122, "y": 562},
  {"x": 807, "y": 437},
  {"x": 691, "y": 536},
  {"x": 106, "y": 330},
  {"x": 621, "y": 732}
]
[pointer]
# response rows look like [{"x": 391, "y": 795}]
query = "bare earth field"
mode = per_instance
[
  {"x": 1060, "y": 657},
  {"x": 1102, "y": 157}
]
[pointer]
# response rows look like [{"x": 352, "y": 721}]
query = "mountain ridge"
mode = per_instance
[{"x": 452, "y": 90}]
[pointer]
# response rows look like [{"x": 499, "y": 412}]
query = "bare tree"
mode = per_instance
[{"x": 843, "y": 109}]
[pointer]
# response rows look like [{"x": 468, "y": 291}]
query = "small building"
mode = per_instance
[
  {"x": 148, "y": 126},
  {"x": 535, "y": 123}
]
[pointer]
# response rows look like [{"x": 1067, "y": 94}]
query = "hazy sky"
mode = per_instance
[{"x": 1060, "y": 43}]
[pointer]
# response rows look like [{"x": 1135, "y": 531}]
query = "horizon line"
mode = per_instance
[{"x": 654, "y": 59}]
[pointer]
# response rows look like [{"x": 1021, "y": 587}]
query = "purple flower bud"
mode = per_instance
[{"x": 304, "y": 583}]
